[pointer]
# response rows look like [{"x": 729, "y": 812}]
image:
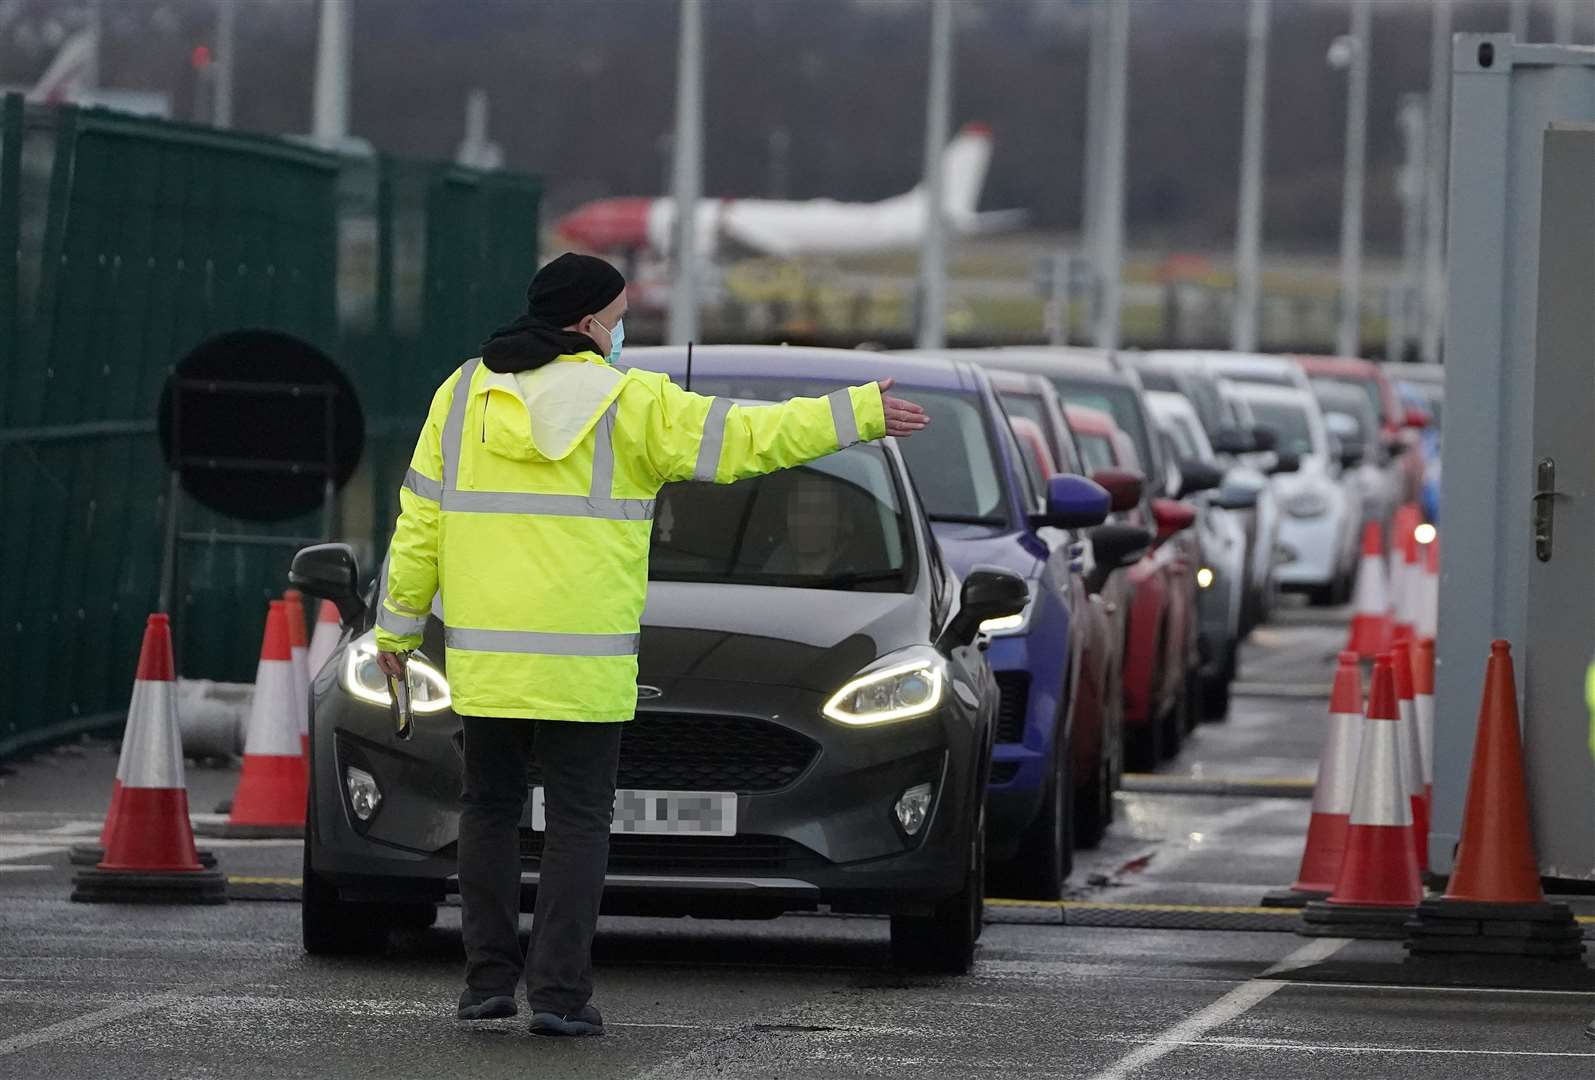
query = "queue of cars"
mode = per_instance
[{"x": 908, "y": 674}]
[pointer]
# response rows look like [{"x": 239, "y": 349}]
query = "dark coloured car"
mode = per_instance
[
  {"x": 970, "y": 473},
  {"x": 814, "y": 726}
]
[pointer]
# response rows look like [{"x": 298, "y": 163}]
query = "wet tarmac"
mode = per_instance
[{"x": 115, "y": 991}]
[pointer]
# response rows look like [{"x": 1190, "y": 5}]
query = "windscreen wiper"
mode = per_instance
[
  {"x": 847, "y": 581},
  {"x": 968, "y": 519}
]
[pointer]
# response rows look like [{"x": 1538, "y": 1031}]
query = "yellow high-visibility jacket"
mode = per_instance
[{"x": 528, "y": 508}]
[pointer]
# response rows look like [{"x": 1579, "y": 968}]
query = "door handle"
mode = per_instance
[{"x": 1544, "y": 500}]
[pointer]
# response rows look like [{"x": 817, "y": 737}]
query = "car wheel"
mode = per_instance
[
  {"x": 944, "y": 941},
  {"x": 1046, "y": 850},
  {"x": 1175, "y": 720},
  {"x": 1323, "y": 595},
  {"x": 1216, "y": 688},
  {"x": 1093, "y": 805}
]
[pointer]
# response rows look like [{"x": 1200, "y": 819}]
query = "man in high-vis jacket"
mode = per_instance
[{"x": 527, "y": 511}]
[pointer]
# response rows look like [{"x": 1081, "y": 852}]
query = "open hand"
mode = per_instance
[{"x": 903, "y": 418}]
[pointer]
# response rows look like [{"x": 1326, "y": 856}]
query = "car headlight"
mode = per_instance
[
  {"x": 1204, "y": 578},
  {"x": 899, "y": 691},
  {"x": 361, "y": 677},
  {"x": 1307, "y": 504}
]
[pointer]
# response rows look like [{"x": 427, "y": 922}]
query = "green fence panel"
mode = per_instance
[{"x": 126, "y": 242}]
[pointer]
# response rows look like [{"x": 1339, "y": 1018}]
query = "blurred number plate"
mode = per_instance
[{"x": 663, "y": 813}]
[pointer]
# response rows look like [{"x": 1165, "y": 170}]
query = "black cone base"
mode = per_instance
[
  {"x": 226, "y": 830},
  {"x": 1291, "y": 898},
  {"x": 1323, "y": 919},
  {"x": 1445, "y": 928},
  {"x": 94, "y": 886},
  {"x": 94, "y": 854}
]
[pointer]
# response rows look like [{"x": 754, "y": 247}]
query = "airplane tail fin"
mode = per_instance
[
  {"x": 964, "y": 165},
  {"x": 65, "y": 80}
]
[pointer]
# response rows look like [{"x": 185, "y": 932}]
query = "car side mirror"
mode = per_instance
[
  {"x": 1264, "y": 438},
  {"x": 1240, "y": 490},
  {"x": 1230, "y": 439},
  {"x": 330, "y": 572},
  {"x": 1124, "y": 487},
  {"x": 1198, "y": 476},
  {"x": 1285, "y": 461},
  {"x": 989, "y": 592},
  {"x": 1351, "y": 452},
  {"x": 1171, "y": 517},
  {"x": 1114, "y": 547},
  {"x": 1073, "y": 502},
  {"x": 1395, "y": 445}
]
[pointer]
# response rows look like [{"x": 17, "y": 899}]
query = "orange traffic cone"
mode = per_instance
[
  {"x": 1337, "y": 775},
  {"x": 1378, "y": 886},
  {"x": 298, "y": 649},
  {"x": 1412, "y": 764},
  {"x": 1370, "y": 621},
  {"x": 1429, "y": 595},
  {"x": 1423, "y": 699},
  {"x": 149, "y": 848},
  {"x": 1494, "y": 905},
  {"x": 270, "y": 800},
  {"x": 324, "y": 639}
]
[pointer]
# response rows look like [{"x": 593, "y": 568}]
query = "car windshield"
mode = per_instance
[
  {"x": 953, "y": 461},
  {"x": 1115, "y": 399},
  {"x": 1368, "y": 388},
  {"x": 1335, "y": 397},
  {"x": 1096, "y": 450},
  {"x": 1289, "y": 423},
  {"x": 835, "y": 523}
]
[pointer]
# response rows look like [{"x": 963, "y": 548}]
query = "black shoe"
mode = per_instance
[
  {"x": 491, "y": 1007},
  {"x": 584, "y": 1021}
]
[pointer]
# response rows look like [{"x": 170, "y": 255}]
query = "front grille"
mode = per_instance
[
  {"x": 629, "y": 853},
  {"x": 1003, "y": 772},
  {"x": 675, "y": 752},
  {"x": 1015, "y": 690}
]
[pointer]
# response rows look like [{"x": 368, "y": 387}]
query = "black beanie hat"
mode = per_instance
[{"x": 572, "y": 287}]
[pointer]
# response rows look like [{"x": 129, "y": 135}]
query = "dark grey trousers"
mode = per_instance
[{"x": 579, "y": 761}]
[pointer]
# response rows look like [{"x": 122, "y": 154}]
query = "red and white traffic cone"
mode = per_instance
[
  {"x": 1370, "y": 621},
  {"x": 324, "y": 639},
  {"x": 270, "y": 800},
  {"x": 1332, "y": 793},
  {"x": 1378, "y": 887},
  {"x": 149, "y": 847},
  {"x": 1413, "y": 766},
  {"x": 298, "y": 650},
  {"x": 1408, "y": 587},
  {"x": 1423, "y": 699},
  {"x": 1429, "y": 602}
]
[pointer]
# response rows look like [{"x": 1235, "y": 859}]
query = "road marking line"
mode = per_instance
[
  {"x": 239, "y": 879},
  {"x": 26, "y": 866},
  {"x": 111, "y": 1014},
  {"x": 1236, "y": 1003},
  {"x": 1317, "y": 1048},
  {"x": 1410, "y": 987},
  {"x": 1096, "y": 905}
]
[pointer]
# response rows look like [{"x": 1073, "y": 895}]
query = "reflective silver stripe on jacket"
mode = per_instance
[
  {"x": 424, "y": 486},
  {"x": 714, "y": 434},
  {"x": 522, "y": 502},
  {"x": 390, "y": 621},
  {"x": 598, "y": 504},
  {"x": 842, "y": 416},
  {"x": 535, "y": 641}
]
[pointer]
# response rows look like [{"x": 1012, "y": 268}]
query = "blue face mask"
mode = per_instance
[{"x": 617, "y": 334}]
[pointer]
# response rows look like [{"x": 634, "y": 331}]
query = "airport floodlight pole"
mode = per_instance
[
  {"x": 1248, "y": 225},
  {"x": 1562, "y": 21},
  {"x": 1110, "y": 229},
  {"x": 1091, "y": 209},
  {"x": 932, "y": 331},
  {"x": 1412, "y": 189},
  {"x": 226, "y": 36},
  {"x": 1436, "y": 157},
  {"x": 687, "y": 174},
  {"x": 1351, "y": 53},
  {"x": 1517, "y": 21},
  {"x": 330, "y": 125}
]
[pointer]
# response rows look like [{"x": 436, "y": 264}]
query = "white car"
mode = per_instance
[
  {"x": 1351, "y": 419},
  {"x": 1321, "y": 511}
]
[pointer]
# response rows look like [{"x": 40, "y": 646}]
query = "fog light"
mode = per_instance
[
  {"x": 912, "y": 808},
  {"x": 1204, "y": 578},
  {"x": 364, "y": 795}
]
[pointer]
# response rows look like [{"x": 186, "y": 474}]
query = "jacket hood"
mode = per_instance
[{"x": 544, "y": 414}]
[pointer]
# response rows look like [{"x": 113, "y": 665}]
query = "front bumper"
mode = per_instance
[
  {"x": 829, "y": 836},
  {"x": 1313, "y": 546}
]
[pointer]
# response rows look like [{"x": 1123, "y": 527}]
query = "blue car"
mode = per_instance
[{"x": 984, "y": 509}]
